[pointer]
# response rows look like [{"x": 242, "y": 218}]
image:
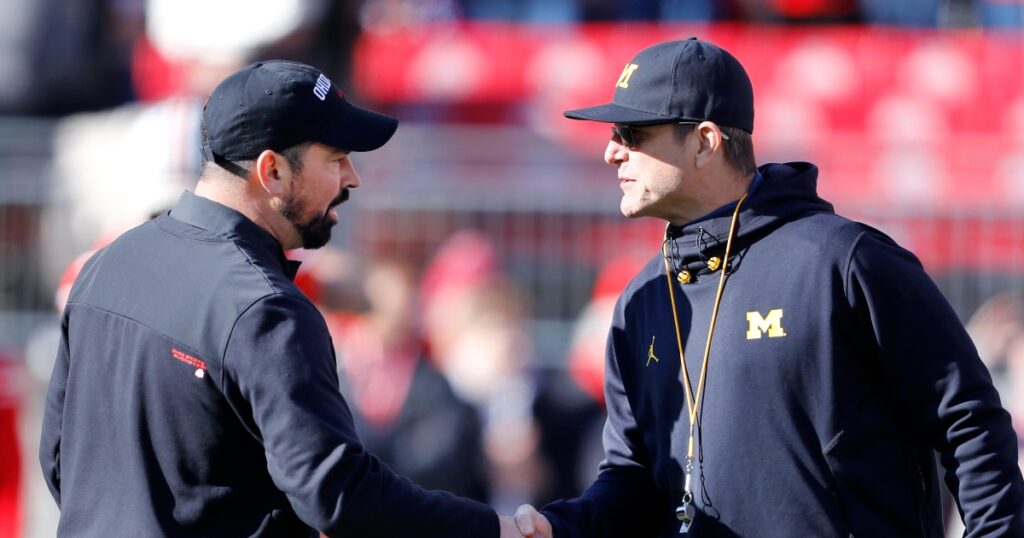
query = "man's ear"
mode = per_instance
[
  {"x": 272, "y": 172},
  {"x": 710, "y": 138}
]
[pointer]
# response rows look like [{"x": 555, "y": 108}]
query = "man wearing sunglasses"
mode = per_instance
[{"x": 775, "y": 370}]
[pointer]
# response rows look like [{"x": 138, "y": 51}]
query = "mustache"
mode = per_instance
[{"x": 340, "y": 199}]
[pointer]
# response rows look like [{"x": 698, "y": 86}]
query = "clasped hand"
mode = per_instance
[{"x": 527, "y": 522}]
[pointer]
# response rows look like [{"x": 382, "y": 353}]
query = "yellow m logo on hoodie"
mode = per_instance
[{"x": 771, "y": 324}]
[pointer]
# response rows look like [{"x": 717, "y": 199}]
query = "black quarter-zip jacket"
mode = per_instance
[
  {"x": 195, "y": 393},
  {"x": 836, "y": 368}
]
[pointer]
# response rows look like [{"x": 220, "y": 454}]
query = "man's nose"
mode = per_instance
[
  {"x": 350, "y": 176},
  {"x": 615, "y": 153}
]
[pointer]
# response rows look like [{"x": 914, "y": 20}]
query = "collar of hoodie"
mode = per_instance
[{"x": 779, "y": 193}]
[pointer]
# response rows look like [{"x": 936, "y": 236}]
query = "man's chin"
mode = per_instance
[
  {"x": 314, "y": 237},
  {"x": 316, "y": 242},
  {"x": 629, "y": 211}
]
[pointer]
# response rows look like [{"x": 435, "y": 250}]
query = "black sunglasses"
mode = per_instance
[{"x": 627, "y": 134}]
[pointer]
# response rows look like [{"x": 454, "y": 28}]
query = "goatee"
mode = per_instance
[{"x": 315, "y": 232}]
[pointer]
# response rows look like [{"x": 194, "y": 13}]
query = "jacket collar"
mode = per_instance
[
  {"x": 222, "y": 221},
  {"x": 779, "y": 193}
]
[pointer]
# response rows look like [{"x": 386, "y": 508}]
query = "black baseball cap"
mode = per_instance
[
  {"x": 688, "y": 80},
  {"x": 277, "y": 104}
]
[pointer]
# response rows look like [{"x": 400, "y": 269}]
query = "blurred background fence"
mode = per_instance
[{"x": 552, "y": 216}]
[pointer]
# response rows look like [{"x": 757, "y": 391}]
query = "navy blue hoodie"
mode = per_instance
[
  {"x": 836, "y": 369},
  {"x": 195, "y": 393}
]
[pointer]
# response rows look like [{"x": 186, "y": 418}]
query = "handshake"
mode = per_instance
[{"x": 527, "y": 522}]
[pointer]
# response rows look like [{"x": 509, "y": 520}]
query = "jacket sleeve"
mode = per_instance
[
  {"x": 53, "y": 416},
  {"x": 280, "y": 374},
  {"x": 623, "y": 500},
  {"x": 939, "y": 382}
]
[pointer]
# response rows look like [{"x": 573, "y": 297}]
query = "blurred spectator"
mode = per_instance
[
  {"x": 404, "y": 409},
  {"x": 570, "y": 404},
  {"x": 995, "y": 327},
  {"x": 488, "y": 361},
  {"x": 1015, "y": 400},
  {"x": 331, "y": 278},
  {"x": 587, "y": 350},
  {"x": 466, "y": 261},
  {"x": 475, "y": 324},
  {"x": 542, "y": 440},
  {"x": 64, "y": 56}
]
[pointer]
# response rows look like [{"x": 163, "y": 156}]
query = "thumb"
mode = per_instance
[
  {"x": 525, "y": 517},
  {"x": 532, "y": 523}
]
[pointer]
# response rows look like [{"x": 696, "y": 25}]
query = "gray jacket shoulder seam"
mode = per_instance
[{"x": 146, "y": 325}]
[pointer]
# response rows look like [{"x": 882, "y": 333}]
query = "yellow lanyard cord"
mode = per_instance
[
  {"x": 675, "y": 321},
  {"x": 693, "y": 402}
]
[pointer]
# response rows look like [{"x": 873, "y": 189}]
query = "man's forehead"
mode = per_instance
[{"x": 326, "y": 150}]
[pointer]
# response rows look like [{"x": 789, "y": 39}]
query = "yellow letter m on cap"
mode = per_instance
[
  {"x": 626, "y": 73},
  {"x": 772, "y": 324}
]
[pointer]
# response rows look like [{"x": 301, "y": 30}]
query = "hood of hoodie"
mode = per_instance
[{"x": 787, "y": 192}]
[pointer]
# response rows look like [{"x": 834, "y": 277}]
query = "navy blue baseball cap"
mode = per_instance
[
  {"x": 688, "y": 80},
  {"x": 278, "y": 104}
]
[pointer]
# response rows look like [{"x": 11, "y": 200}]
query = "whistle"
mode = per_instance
[{"x": 685, "y": 513}]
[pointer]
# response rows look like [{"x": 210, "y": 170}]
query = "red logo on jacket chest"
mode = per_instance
[{"x": 189, "y": 360}]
